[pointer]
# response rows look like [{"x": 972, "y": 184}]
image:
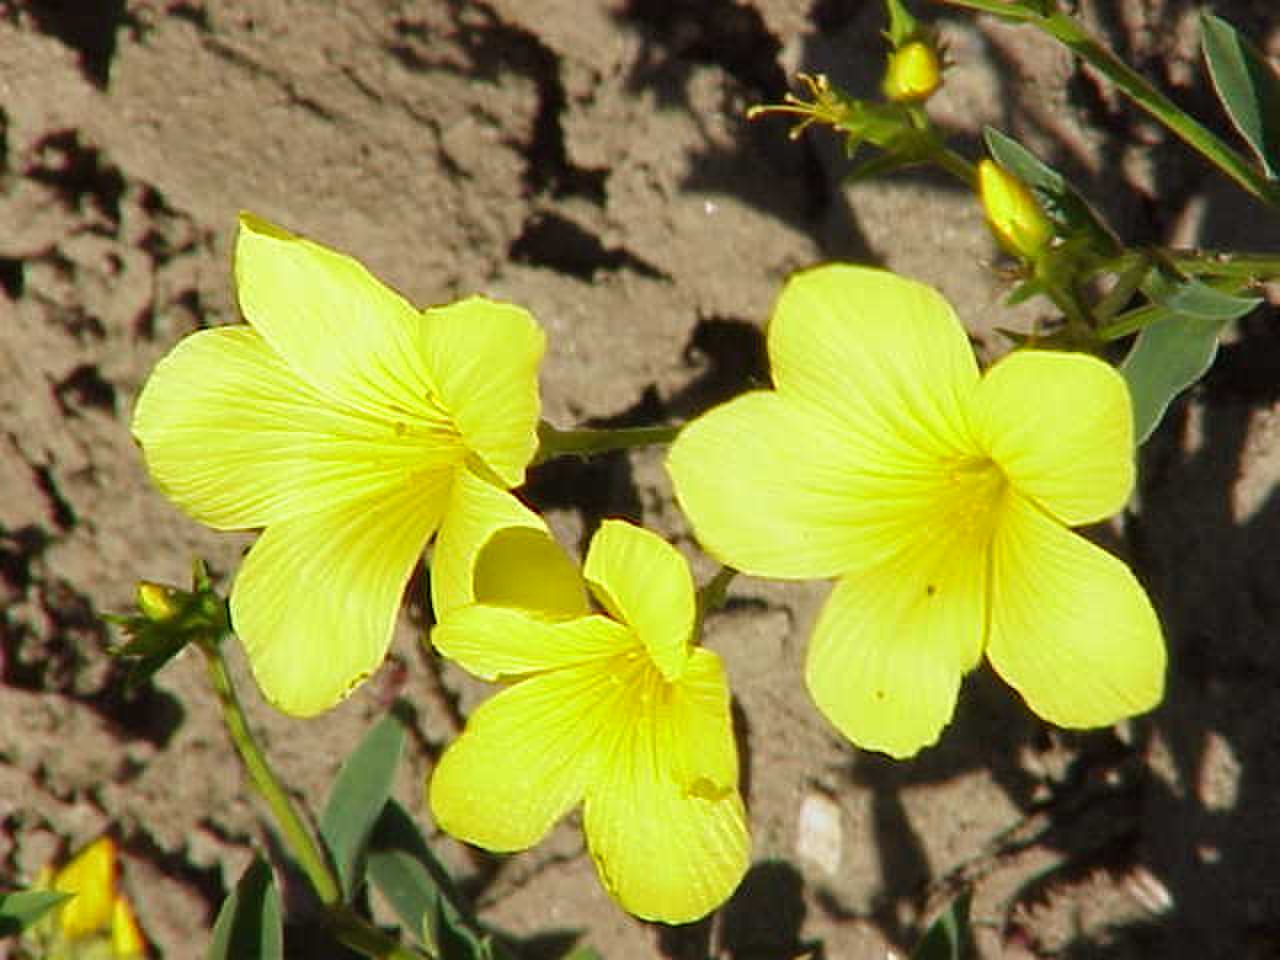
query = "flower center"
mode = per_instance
[{"x": 971, "y": 500}]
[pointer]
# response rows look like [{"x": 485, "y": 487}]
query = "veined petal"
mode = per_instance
[
  {"x": 645, "y": 583},
  {"x": 232, "y": 435},
  {"x": 1060, "y": 425},
  {"x": 668, "y": 847},
  {"x": 883, "y": 355},
  {"x": 524, "y": 759},
  {"x": 483, "y": 355},
  {"x": 501, "y": 642},
  {"x": 695, "y": 728},
  {"x": 316, "y": 598},
  {"x": 891, "y": 645},
  {"x": 341, "y": 329},
  {"x": 771, "y": 487},
  {"x": 493, "y": 549},
  {"x": 1072, "y": 630}
]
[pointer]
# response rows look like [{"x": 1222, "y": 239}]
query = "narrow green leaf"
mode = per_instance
[
  {"x": 1169, "y": 355},
  {"x": 583, "y": 953},
  {"x": 1247, "y": 86},
  {"x": 948, "y": 937},
  {"x": 249, "y": 925},
  {"x": 418, "y": 889},
  {"x": 1195, "y": 298},
  {"x": 19, "y": 909},
  {"x": 358, "y": 795},
  {"x": 1064, "y": 206}
]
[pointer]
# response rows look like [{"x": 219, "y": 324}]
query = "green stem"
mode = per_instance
[
  {"x": 1073, "y": 35},
  {"x": 349, "y": 927},
  {"x": 297, "y": 836},
  {"x": 712, "y": 594},
  {"x": 587, "y": 442},
  {"x": 957, "y": 166}
]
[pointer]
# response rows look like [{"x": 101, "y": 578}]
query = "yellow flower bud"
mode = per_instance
[
  {"x": 156, "y": 601},
  {"x": 1012, "y": 212},
  {"x": 913, "y": 73}
]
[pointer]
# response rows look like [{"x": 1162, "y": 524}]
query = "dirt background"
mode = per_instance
[{"x": 591, "y": 161}]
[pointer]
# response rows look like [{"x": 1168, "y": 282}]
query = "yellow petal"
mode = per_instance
[
  {"x": 697, "y": 727},
  {"x": 234, "y": 437},
  {"x": 644, "y": 582},
  {"x": 883, "y": 355},
  {"x": 340, "y": 329},
  {"x": 493, "y": 549},
  {"x": 772, "y": 488},
  {"x": 523, "y": 760},
  {"x": 891, "y": 645},
  {"x": 1071, "y": 629},
  {"x": 501, "y": 642},
  {"x": 668, "y": 845},
  {"x": 1060, "y": 425},
  {"x": 317, "y": 596},
  {"x": 127, "y": 940},
  {"x": 91, "y": 876},
  {"x": 484, "y": 356}
]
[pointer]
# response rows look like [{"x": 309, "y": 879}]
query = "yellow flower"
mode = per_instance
[
  {"x": 348, "y": 424},
  {"x": 618, "y": 710},
  {"x": 913, "y": 73},
  {"x": 940, "y": 499},
  {"x": 96, "y": 909},
  {"x": 1013, "y": 214}
]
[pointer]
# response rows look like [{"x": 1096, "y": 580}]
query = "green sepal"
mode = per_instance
[
  {"x": 357, "y": 798},
  {"x": 902, "y": 25},
  {"x": 249, "y": 924},
  {"x": 1248, "y": 87}
]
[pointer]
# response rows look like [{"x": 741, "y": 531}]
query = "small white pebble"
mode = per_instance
[{"x": 818, "y": 833}]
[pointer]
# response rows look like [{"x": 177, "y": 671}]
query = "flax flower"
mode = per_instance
[
  {"x": 616, "y": 710},
  {"x": 347, "y": 424},
  {"x": 940, "y": 499}
]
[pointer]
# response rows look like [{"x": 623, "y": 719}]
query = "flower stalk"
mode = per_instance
[{"x": 590, "y": 442}]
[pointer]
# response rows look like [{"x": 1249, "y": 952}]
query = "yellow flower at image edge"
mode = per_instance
[
  {"x": 347, "y": 424},
  {"x": 941, "y": 499},
  {"x": 96, "y": 909},
  {"x": 618, "y": 711}
]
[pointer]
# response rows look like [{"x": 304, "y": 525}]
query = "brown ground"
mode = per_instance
[{"x": 589, "y": 160}]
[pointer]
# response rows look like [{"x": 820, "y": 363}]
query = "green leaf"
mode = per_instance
[
  {"x": 19, "y": 909},
  {"x": 1195, "y": 298},
  {"x": 358, "y": 796},
  {"x": 1170, "y": 354},
  {"x": 948, "y": 937},
  {"x": 1247, "y": 86},
  {"x": 1064, "y": 206},
  {"x": 248, "y": 925},
  {"x": 583, "y": 953},
  {"x": 418, "y": 889}
]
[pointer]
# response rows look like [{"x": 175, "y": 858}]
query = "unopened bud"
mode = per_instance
[
  {"x": 913, "y": 73},
  {"x": 156, "y": 601},
  {"x": 1013, "y": 214}
]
